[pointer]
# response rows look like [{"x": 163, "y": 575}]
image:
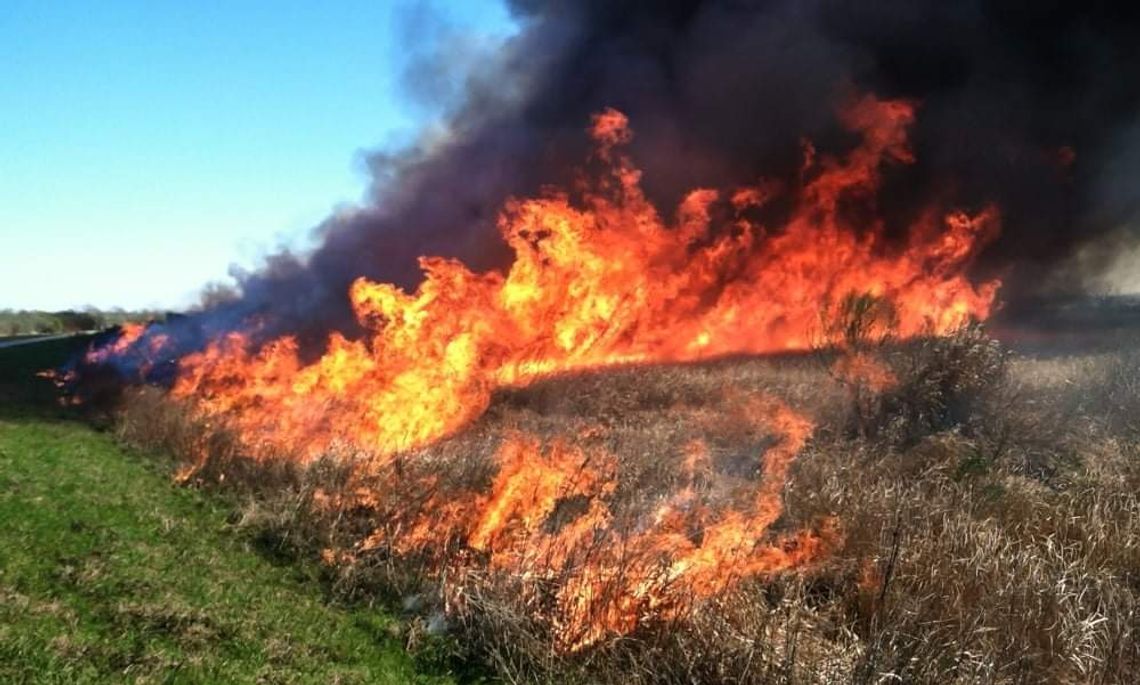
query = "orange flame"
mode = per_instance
[
  {"x": 596, "y": 572},
  {"x": 129, "y": 335},
  {"x": 599, "y": 279},
  {"x": 595, "y": 282}
]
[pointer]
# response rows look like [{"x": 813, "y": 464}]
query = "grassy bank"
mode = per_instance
[
  {"x": 976, "y": 520},
  {"x": 109, "y": 572}
]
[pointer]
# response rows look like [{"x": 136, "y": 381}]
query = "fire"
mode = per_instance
[
  {"x": 134, "y": 344},
  {"x": 130, "y": 334},
  {"x": 600, "y": 278},
  {"x": 601, "y": 571}
]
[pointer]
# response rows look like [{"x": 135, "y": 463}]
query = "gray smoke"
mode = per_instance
[{"x": 1032, "y": 106}]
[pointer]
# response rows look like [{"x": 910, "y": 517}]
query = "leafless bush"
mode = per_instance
[{"x": 944, "y": 382}]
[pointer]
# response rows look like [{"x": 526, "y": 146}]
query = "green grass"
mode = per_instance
[{"x": 110, "y": 572}]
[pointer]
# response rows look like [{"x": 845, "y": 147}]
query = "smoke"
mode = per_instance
[{"x": 1032, "y": 106}]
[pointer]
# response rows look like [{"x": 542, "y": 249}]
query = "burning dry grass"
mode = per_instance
[
  {"x": 588, "y": 522},
  {"x": 977, "y": 521}
]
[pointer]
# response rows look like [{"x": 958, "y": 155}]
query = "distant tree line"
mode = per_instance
[{"x": 35, "y": 322}]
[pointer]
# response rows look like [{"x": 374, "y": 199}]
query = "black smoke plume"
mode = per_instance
[{"x": 1025, "y": 105}]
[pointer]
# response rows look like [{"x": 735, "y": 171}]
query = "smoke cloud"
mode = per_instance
[{"x": 1030, "y": 106}]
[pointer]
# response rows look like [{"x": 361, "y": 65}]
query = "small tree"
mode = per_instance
[{"x": 853, "y": 331}]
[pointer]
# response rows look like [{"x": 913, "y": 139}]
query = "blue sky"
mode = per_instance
[{"x": 147, "y": 146}]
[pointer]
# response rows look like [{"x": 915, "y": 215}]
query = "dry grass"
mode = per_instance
[{"x": 989, "y": 513}]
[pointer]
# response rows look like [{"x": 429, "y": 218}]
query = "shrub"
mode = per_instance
[{"x": 942, "y": 383}]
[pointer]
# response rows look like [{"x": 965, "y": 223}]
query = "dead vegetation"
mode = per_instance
[{"x": 987, "y": 513}]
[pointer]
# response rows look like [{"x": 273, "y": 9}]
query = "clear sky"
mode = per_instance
[{"x": 147, "y": 145}]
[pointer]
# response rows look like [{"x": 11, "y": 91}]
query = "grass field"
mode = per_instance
[
  {"x": 109, "y": 572},
  {"x": 986, "y": 509}
]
